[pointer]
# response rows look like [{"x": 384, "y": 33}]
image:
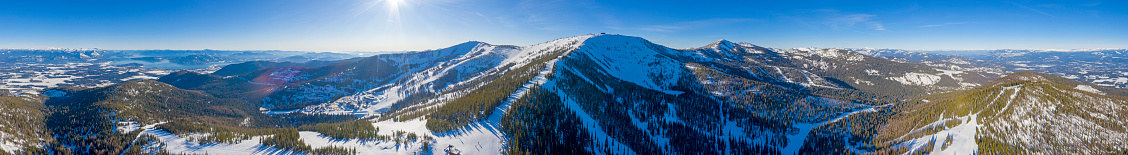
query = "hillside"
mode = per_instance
[
  {"x": 23, "y": 128},
  {"x": 774, "y": 91},
  {"x": 590, "y": 94},
  {"x": 104, "y": 119},
  {"x": 1025, "y": 112},
  {"x": 115, "y": 118},
  {"x": 1102, "y": 67},
  {"x": 475, "y": 90},
  {"x": 251, "y": 66}
]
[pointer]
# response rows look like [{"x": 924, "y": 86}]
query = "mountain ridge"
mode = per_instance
[
  {"x": 588, "y": 94},
  {"x": 1011, "y": 113}
]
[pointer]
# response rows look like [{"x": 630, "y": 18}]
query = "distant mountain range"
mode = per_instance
[
  {"x": 32, "y": 70},
  {"x": 590, "y": 94},
  {"x": 1103, "y": 67}
]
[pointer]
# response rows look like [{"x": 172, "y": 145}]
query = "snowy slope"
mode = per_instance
[
  {"x": 591, "y": 65},
  {"x": 468, "y": 69},
  {"x": 470, "y": 64},
  {"x": 1025, "y": 111},
  {"x": 614, "y": 94}
]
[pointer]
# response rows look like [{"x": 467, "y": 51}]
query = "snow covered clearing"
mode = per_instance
[
  {"x": 919, "y": 79},
  {"x": 9, "y": 146},
  {"x": 127, "y": 126},
  {"x": 796, "y": 141},
  {"x": 963, "y": 138},
  {"x": 1088, "y": 88},
  {"x": 177, "y": 144}
]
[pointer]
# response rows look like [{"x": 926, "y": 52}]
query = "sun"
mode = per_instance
[
  {"x": 395, "y": 3},
  {"x": 393, "y": 10}
]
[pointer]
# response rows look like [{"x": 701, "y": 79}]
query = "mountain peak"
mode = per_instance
[
  {"x": 722, "y": 41},
  {"x": 1030, "y": 76},
  {"x": 721, "y": 44},
  {"x": 472, "y": 43},
  {"x": 608, "y": 39}
]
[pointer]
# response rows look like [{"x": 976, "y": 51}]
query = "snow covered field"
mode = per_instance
[{"x": 30, "y": 78}]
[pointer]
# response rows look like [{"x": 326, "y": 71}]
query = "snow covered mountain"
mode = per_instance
[
  {"x": 611, "y": 88},
  {"x": 1026, "y": 112},
  {"x": 590, "y": 94},
  {"x": 949, "y": 62},
  {"x": 1097, "y": 66}
]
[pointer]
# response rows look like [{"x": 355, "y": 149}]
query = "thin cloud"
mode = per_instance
[
  {"x": 687, "y": 25},
  {"x": 1031, "y": 9},
  {"x": 610, "y": 21},
  {"x": 945, "y": 24},
  {"x": 850, "y": 20}
]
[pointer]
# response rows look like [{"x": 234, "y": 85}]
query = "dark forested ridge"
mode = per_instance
[{"x": 251, "y": 66}]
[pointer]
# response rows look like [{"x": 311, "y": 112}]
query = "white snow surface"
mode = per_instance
[
  {"x": 127, "y": 126},
  {"x": 796, "y": 141},
  {"x": 963, "y": 138},
  {"x": 919, "y": 79},
  {"x": 1089, "y": 88},
  {"x": 482, "y": 137},
  {"x": 179, "y": 144},
  {"x": 621, "y": 58},
  {"x": 963, "y": 135},
  {"x": 475, "y": 56}
]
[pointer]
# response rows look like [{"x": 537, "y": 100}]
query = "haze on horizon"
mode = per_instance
[{"x": 396, "y": 25}]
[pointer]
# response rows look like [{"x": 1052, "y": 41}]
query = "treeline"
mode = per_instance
[
  {"x": 147, "y": 145},
  {"x": 23, "y": 123},
  {"x": 540, "y": 124},
  {"x": 482, "y": 101},
  {"x": 633, "y": 115},
  {"x": 211, "y": 135},
  {"x": 280, "y": 138},
  {"x": 289, "y": 139},
  {"x": 357, "y": 129},
  {"x": 687, "y": 116},
  {"x": 90, "y": 117}
]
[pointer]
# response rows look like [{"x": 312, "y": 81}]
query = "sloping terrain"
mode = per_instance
[
  {"x": 608, "y": 89},
  {"x": 590, "y": 94},
  {"x": 1102, "y": 67},
  {"x": 104, "y": 120},
  {"x": 948, "y": 62},
  {"x": 115, "y": 118},
  {"x": 1024, "y": 113},
  {"x": 22, "y": 128}
]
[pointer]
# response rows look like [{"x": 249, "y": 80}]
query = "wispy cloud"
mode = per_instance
[
  {"x": 850, "y": 20},
  {"x": 1031, "y": 9},
  {"x": 539, "y": 14},
  {"x": 945, "y": 24},
  {"x": 834, "y": 19},
  {"x": 878, "y": 26},
  {"x": 687, "y": 25},
  {"x": 610, "y": 21}
]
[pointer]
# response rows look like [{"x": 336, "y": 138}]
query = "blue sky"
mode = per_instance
[{"x": 393, "y": 25}]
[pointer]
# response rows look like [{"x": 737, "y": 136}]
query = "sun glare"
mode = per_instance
[
  {"x": 394, "y": 3},
  {"x": 393, "y": 10}
]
